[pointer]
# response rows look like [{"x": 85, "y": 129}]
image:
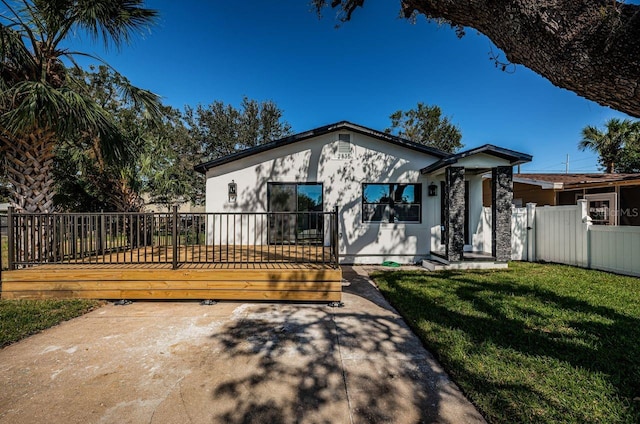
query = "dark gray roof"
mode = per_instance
[
  {"x": 515, "y": 158},
  {"x": 343, "y": 125}
]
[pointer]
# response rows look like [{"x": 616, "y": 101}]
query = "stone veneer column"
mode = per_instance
[
  {"x": 454, "y": 213},
  {"x": 501, "y": 199}
]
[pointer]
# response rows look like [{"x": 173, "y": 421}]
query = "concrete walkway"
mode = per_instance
[{"x": 180, "y": 362}]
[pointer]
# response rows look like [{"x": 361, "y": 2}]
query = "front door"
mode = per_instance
[{"x": 294, "y": 220}]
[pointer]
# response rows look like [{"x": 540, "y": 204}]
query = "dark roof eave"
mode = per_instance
[
  {"x": 204, "y": 167},
  {"x": 514, "y": 158}
]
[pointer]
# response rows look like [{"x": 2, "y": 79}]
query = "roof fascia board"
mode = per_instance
[
  {"x": 597, "y": 184},
  {"x": 542, "y": 184},
  {"x": 515, "y": 158}
]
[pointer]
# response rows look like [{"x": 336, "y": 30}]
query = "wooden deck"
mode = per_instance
[
  {"x": 208, "y": 255},
  {"x": 230, "y": 282}
]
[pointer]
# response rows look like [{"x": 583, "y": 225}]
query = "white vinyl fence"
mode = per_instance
[
  {"x": 564, "y": 234},
  {"x": 519, "y": 237},
  {"x": 615, "y": 249},
  {"x": 560, "y": 235}
]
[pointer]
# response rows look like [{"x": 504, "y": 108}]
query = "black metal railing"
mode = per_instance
[
  {"x": 171, "y": 238},
  {"x": 4, "y": 260}
]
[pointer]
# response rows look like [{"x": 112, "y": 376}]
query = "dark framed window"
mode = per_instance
[
  {"x": 391, "y": 202},
  {"x": 294, "y": 197},
  {"x": 300, "y": 224}
]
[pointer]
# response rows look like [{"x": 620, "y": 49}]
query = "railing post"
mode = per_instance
[
  {"x": 335, "y": 237},
  {"x": 11, "y": 237},
  {"x": 174, "y": 236},
  {"x": 103, "y": 233}
]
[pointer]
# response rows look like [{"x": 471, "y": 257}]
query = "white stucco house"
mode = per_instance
[{"x": 396, "y": 200}]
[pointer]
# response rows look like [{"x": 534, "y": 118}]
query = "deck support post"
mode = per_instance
[{"x": 174, "y": 237}]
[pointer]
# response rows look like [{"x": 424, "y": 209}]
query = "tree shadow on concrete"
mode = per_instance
[{"x": 312, "y": 363}]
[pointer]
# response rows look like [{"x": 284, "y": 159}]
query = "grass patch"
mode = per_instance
[
  {"x": 22, "y": 318},
  {"x": 536, "y": 343}
]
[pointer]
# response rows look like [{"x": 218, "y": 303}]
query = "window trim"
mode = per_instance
[{"x": 391, "y": 204}]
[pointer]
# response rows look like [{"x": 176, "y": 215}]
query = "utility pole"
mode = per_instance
[{"x": 566, "y": 165}]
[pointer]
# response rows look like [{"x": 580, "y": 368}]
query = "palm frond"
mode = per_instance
[
  {"x": 69, "y": 113},
  {"x": 26, "y": 22},
  {"x": 144, "y": 99},
  {"x": 34, "y": 105},
  {"x": 591, "y": 138},
  {"x": 113, "y": 20},
  {"x": 15, "y": 57}
]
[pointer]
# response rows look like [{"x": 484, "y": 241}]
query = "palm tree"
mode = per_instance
[
  {"x": 610, "y": 144},
  {"x": 42, "y": 103}
]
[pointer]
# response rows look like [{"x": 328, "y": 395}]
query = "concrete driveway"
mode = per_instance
[{"x": 181, "y": 362}]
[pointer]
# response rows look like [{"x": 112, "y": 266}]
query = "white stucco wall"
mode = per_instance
[{"x": 315, "y": 160}]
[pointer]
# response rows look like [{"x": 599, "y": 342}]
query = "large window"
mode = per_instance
[
  {"x": 391, "y": 202},
  {"x": 295, "y": 227}
]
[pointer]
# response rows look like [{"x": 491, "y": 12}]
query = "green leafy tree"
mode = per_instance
[
  {"x": 426, "y": 125},
  {"x": 168, "y": 161},
  {"x": 617, "y": 146},
  {"x": 588, "y": 47},
  {"x": 222, "y": 129},
  {"x": 161, "y": 166},
  {"x": 5, "y": 191},
  {"x": 629, "y": 160},
  {"x": 42, "y": 103}
]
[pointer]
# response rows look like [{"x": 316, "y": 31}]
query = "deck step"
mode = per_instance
[
  {"x": 432, "y": 265},
  {"x": 438, "y": 259}
]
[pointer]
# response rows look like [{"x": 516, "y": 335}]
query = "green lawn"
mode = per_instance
[
  {"x": 21, "y": 318},
  {"x": 536, "y": 343}
]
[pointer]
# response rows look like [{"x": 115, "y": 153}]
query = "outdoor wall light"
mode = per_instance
[
  {"x": 233, "y": 191},
  {"x": 433, "y": 190}
]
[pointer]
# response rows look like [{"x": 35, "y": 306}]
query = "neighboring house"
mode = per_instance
[
  {"x": 396, "y": 200},
  {"x": 184, "y": 206},
  {"x": 614, "y": 199}
]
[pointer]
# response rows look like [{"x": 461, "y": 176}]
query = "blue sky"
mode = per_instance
[{"x": 202, "y": 51}]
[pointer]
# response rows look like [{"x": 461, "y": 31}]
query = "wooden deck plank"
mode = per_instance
[
  {"x": 246, "y": 254},
  {"x": 177, "y": 294},
  {"x": 37, "y": 274},
  {"x": 173, "y": 285}
]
